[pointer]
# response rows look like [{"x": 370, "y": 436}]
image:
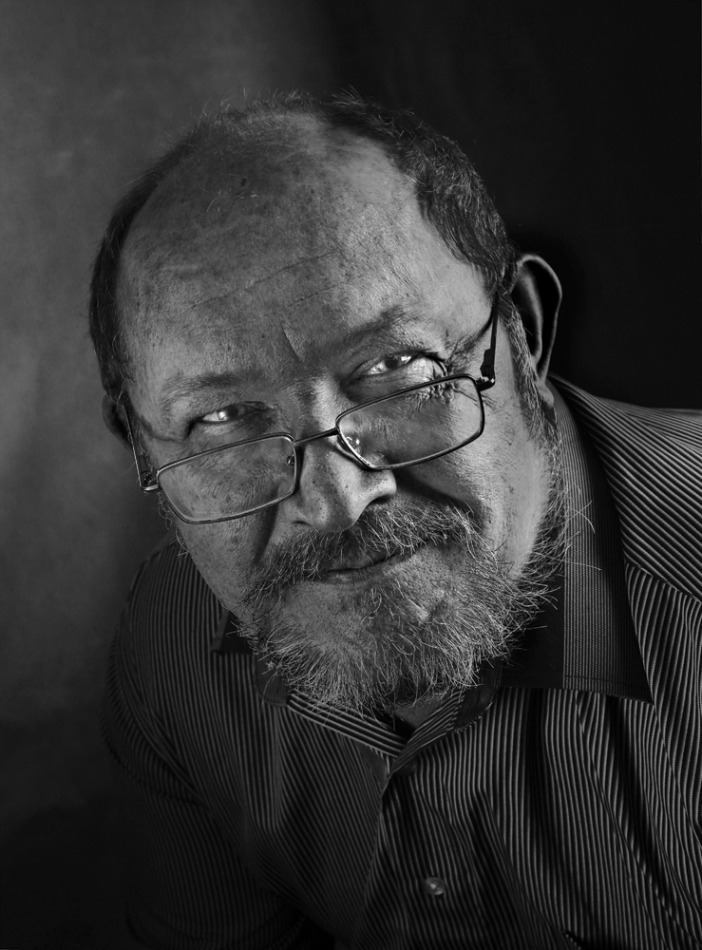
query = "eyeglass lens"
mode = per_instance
[
  {"x": 415, "y": 425},
  {"x": 232, "y": 480}
]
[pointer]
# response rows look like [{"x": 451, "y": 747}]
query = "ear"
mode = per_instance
[
  {"x": 112, "y": 416},
  {"x": 537, "y": 296}
]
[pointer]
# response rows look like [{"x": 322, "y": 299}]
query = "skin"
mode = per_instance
[{"x": 291, "y": 284}]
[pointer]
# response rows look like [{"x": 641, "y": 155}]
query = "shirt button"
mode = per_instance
[{"x": 434, "y": 886}]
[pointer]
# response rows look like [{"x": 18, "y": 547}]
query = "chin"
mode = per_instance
[{"x": 384, "y": 644}]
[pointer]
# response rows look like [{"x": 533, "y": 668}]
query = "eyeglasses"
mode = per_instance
[{"x": 414, "y": 425}]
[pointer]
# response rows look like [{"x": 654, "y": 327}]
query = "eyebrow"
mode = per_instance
[
  {"x": 182, "y": 388},
  {"x": 179, "y": 387},
  {"x": 397, "y": 317}
]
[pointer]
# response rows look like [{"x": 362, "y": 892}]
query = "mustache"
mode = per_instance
[{"x": 379, "y": 533}]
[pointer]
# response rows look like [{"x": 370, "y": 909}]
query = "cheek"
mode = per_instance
[
  {"x": 472, "y": 477},
  {"x": 488, "y": 477},
  {"x": 226, "y": 552},
  {"x": 460, "y": 477}
]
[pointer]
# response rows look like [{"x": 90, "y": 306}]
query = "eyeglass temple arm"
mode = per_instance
[
  {"x": 144, "y": 474},
  {"x": 487, "y": 370}
]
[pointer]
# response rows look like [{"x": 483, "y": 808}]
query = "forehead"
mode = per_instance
[
  {"x": 309, "y": 194},
  {"x": 289, "y": 244}
]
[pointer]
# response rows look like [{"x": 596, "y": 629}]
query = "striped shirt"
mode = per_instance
[{"x": 557, "y": 805}]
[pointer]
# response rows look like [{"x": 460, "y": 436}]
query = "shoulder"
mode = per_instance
[
  {"x": 169, "y": 592},
  {"x": 638, "y": 424},
  {"x": 652, "y": 459},
  {"x": 170, "y": 619}
]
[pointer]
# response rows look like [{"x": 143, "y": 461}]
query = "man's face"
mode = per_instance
[{"x": 274, "y": 296}]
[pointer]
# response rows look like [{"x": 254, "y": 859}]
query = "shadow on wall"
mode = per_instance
[
  {"x": 584, "y": 122},
  {"x": 60, "y": 879},
  {"x": 62, "y": 891}
]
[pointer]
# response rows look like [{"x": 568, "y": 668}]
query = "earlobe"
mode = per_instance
[
  {"x": 537, "y": 296},
  {"x": 113, "y": 419}
]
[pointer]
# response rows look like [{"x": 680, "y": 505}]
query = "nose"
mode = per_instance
[{"x": 333, "y": 490}]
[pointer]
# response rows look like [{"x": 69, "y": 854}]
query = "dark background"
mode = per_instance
[{"x": 584, "y": 121}]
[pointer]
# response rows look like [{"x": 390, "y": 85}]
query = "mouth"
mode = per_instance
[{"x": 363, "y": 567}]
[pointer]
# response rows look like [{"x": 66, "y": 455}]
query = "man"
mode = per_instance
[{"x": 419, "y": 665}]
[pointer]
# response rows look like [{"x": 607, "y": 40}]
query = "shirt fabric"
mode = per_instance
[{"x": 558, "y": 804}]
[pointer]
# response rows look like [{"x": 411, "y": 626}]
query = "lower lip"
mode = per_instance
[{"x": 358, "y": 575}]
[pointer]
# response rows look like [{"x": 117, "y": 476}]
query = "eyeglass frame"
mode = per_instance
[{"x": 149, "y": 480}]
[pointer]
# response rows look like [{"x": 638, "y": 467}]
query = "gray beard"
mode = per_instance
[{"x": 395, "y": 651}]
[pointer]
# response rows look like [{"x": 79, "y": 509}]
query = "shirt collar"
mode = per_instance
[{"x": 586, "y": 638}]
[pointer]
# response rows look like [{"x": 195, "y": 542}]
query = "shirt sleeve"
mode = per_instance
[{"x": 185, "y": 888}]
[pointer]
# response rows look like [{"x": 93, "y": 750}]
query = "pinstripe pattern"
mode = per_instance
[{"x": 562, "y": 816}]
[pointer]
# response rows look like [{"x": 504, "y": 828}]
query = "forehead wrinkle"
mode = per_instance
[{"x": 271, "y": 275}]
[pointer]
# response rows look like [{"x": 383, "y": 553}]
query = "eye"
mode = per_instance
[
  {"x": 391, "y": 364},
  {"x": 233, "y": 422},
  {"x": 225, "y": 414},
  {"x": 404, "y": 369}
]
